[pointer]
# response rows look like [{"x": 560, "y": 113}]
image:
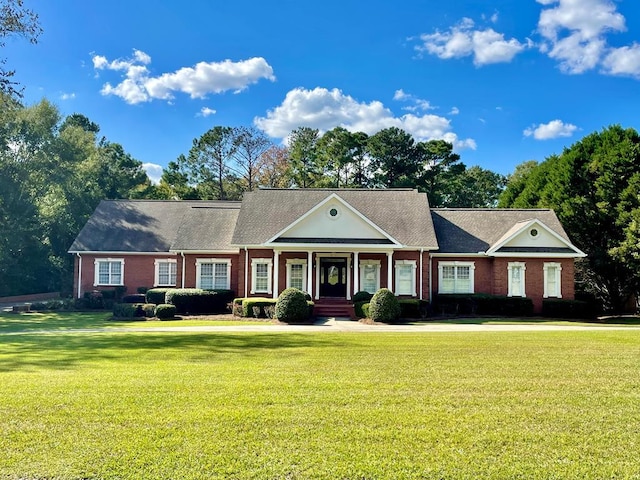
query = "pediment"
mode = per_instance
[
  {"x": 333, "y": 221},
  {"x": 533, "y": 237}
]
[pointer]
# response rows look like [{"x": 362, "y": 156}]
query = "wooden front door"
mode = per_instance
[{"x": 333, "y": 277}]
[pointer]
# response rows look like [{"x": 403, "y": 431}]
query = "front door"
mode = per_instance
[{"x": 333, "y": 277}]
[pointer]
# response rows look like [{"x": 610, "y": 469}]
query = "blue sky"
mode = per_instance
[{"x": 505, "y": 81}]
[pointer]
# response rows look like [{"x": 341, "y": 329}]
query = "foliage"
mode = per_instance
[
  {"x": 134, "y": 298},
  {"x": 560, "y": 308},
  {"x": 593, "y": 188},
  {"x": 165, "y": 311},
  {"x": 359, "y": 310},
  {"x": 292, "y": 306},
  {"x": 305, "y": 168},
  {"x": 156, "y": 295},
  {"x": 133, "y": 310},
  {"x": 482, "y": 304},
  {"x": 195, "y": 300},
  {"x": 251, "y": 303},
  {"x": 413, "y": 308},
  {"x": 362, "y": 296},
  {"x": 384, "y": 307},
  {"x": 15, "y": 20}
]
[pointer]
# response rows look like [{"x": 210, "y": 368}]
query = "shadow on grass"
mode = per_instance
[
  {"x": 614, "y": 320},
  {"x": 69, "y": 350}
]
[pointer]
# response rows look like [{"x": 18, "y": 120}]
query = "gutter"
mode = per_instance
[
  {"x": 421, "y": 274},
  {"x": 183, "y": 268}
]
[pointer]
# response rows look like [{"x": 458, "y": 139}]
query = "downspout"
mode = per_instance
[
  {"x": 421, "y": 274},
  {"x": 430, "y": 278},
  {"x": 184, "y": 270},
  {"x": 79, "y": 274},
  {"x": 246, "y": 270}
]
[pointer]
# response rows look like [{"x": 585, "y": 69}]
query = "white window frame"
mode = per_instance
[
  {"x": 456, "y": 264},
  {"x": 206, "y": 261},
  {"x": 365, "y": 263},
  {"x": 254, "y": 274},
  {"x": 110, "y": 283},
  {"x": 297, "y": 261},
  {"x": 173, "y": 272},
  {"x": 511, "y": 268},
  {"x": 399, "y": 264},
  {"x": 549, "y": 266}
]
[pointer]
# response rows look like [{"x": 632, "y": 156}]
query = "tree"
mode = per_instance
[
  {"x": 393, "y": 158},
  {"x": 593, "y": 187},
  {"x": 344, "y": 154},
  {"x": 250, "y": 145},
  {"x": 474, "y": 187},
  {"x": 304, "y": 167},
  {"x": 15, "y": 20},
  {"x": 273, "y": 169},
  {"x": 209, "y": 159},
  {"x": 439, "y": 172}
]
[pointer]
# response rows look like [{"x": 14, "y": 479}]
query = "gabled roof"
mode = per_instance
[
  {"x": 403, "y": 214},
  {"x": 153, "y": 225},
  {"x": 475, "y": 230}
]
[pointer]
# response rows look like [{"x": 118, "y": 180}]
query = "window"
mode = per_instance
[
  {"x": 516, "y": 279},
  {"x": 405, "y": 277},
  {"x": 552, "y": 280},
  {"x": 370, "y": 275},
  {"x": 297, "y": 274},
  {"x": 213, "y": 273},
  {"x": 456, "y": 277},
  {"x": 109, "y": 271},
  {"x": 165, "y": 272},
  {"x": 261, "y": 275}
]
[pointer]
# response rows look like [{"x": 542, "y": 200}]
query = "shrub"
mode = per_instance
[
  {"x": 94, "y": 300},
  {"x": 136, "y": 298},
  {"x": 362, "y": 296},
  {"x": 142, "y": 290},
  {"x": 483, "y": 304},
  {"x": 384, "y": 307},
  {"x": 293, "y": 307},
  {"x": 413, "y": 308},
  {"x": 133, "y": 310},
  {"x": 365, "y": 309},
  {"x": 251, "y": 303},
  {"x": 359, "y": 311},
  {"x": 195, "y": 300},
  {"x": 157, "y": 295},
  {"x": 165, "y": 311},
  {"x": 559, "y": 308}
]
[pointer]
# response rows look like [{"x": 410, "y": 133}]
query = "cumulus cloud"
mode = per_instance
[
  {"x": 462, "y": 40},
  {"x": 553, "y": 129},
  {"x": 138, "y": 85},
  {"x": 205, "y": 112},
  {"x": 325, "y": 109},
  {"x": 154, "y": 172},
  {"x": 574, "y": 33},
  {"x": 454, "y": 111}
]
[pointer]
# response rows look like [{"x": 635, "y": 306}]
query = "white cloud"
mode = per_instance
[
  {"x": 574, "y": 32},
  {"x": 487, "y": 46},
  {"x": 154, "y": 172},
  {"x": 454, "y": 111},
  {"x": 325, "y": 109},
  {"x": 198, "y": 81},
  {"x": 67, "y": 96},
  {"x": 205, "y": 112},
  {"x": 553, "y": 129},
  {"x": 623, "y": 61},
  {"x": 416, "y": 103}
]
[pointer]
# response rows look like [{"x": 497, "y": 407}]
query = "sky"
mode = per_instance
[{"x": 505, "y": 81}]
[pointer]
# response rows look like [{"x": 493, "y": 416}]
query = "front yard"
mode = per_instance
[{"x": 322, "y": 405}]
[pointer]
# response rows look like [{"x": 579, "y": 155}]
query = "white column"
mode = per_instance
[
  {"x": 276, "y": 272},
  {"x": 390, "y": 271},
  {"x": 310, "y": 273},
  {"x": 356, "y": 273},
  {"x": 348, "y": 278}
]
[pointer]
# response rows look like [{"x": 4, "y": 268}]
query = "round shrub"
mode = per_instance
[
  {"x": 165, "y": 311},
  {"x": 362, "y": 296},
  {"x": 384, "y": 307},
  {"x": 292, "y": 306}
]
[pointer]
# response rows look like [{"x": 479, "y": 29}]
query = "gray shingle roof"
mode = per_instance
[
  {"x": 153, "y": 225},
  {"x": 473, "y": 230},
  {"x": 402, "y": 213}
]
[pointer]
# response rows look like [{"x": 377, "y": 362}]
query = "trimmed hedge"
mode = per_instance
[
  {"x": 413, "y": 308},
  {"x": 559, "y": 308},
  {"x": 359, "y": 310},
  {"x": 133, "y": 310},
  {"x": 195, "y": 300},
  {"x": 365, "y": 310},
  {"x": 134, "y": 298},
  {"x": 157, "y": 295},
  {"x": 362, "y": 296},
  {"x": 255, "y": 306},
  {"x": 292, "y": 306},
  {"x": 165, "y": 311},
  {"x": 384, "y": 307},
  {"x": 483, "y": 304}
]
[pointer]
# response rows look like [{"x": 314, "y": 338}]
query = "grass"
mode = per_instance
[{"x": 325, "y": 405}]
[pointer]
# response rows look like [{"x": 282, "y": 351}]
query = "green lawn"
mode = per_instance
[{"x": 321, "y": 405}]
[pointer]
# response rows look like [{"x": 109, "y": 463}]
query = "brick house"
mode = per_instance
[{"x": 328, "y": 242}]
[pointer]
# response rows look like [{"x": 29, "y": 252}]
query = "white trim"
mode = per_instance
[
  {"x": 510, "y": 268},
  {"x": 119, "y": 252},
  {"x": 276, "y": 273},
  {"x": 184, "y": 269},
  {"x": 456, "y": 264},
  {"x": 261, "y": 261},
  {"x": 298, "y": 261},
  {"x": 96, "y": 272},
  {"x": 320, "y": 205},
  {"x": 344, "y": 255},
  {"x": 402, "y": 263},
  {"x": 390, "y": 271},
  {"x": 558, "y": 280},
  {"x": 156, "y": 272},
  {"x": 79, "y": 275},
  {"x": 368, "y": 263},
  {"x": 203, "y": 261}
]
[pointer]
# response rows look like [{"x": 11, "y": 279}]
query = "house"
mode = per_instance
[{"x": 330, "y": 243}]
